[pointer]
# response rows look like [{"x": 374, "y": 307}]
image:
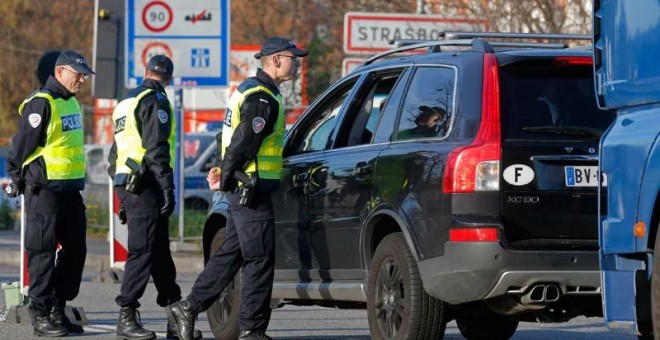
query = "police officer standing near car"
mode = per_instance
[
  {"x": 141, "y": 165},
  {"x": 47, "y": 165},
  {"x": 252, "y": 140}
]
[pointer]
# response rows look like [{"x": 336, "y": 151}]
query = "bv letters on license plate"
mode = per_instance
[{"x": 582, "y": 176}]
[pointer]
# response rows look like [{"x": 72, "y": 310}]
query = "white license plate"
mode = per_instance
[{"x": 583, "y": 176}]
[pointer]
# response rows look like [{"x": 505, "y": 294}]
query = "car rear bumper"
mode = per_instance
[{"x": 471, "y": 271}]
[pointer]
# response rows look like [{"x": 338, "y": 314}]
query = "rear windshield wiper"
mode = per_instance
[{"x": 565, "y": 130}]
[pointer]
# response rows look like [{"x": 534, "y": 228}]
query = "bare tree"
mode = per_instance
[{"x": 28, "y": 28}]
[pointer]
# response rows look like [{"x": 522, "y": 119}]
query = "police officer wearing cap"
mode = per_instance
[
  {"x": 252, "y": 140},
  {"x": 47, "y": 165},
  {"x": 141, "y": 166}
]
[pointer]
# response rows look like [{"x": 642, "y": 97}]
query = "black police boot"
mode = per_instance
[
  {"x": 253, "y": 335},
  {"x": 43, "y": 327},
  {"x": 173, "y": 334},
  {"x": 184, "y": 319},
  {"x": 130, "y": 327},
  {"x": 58, "y": 318}
]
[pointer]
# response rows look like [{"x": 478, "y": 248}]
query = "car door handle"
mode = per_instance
[{"x": 362, "y": 169}]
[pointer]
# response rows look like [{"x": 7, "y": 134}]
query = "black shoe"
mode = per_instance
[
  {"x": 173, "y": 334},
  {"x": 58, "y": 318},
  {"x": 43, "y": 327},
  {"x": 130, "y": 327},
  {"x": 253, "y": 335},
  {"x": 184, "y": 319}
]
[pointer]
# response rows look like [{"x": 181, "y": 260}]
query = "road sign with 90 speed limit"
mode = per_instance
[{"x": 157, "y": 16}]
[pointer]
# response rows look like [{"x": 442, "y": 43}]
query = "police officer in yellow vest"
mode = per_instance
[
  {"x": 252, "y": 139},
  {"x": 144, "y": 141},
  {"x": 47, "y": 165}
]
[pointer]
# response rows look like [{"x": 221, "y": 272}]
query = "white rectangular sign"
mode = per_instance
[
  {"x": 178, "y": 18},
  {"x": 194, "y": 34},
  {"x": 371, "y": 32}
]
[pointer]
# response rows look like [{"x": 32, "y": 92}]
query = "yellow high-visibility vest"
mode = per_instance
[
  {"x": 268, "y": 163},
  {"x": 64, "y": 151},
  {"x": 127, "y": 136}
]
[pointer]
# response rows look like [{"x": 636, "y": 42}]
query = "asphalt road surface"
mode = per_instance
[{"x": 289, "y": 322}]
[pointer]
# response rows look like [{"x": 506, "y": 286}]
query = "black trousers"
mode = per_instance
[
  {"x": 53, "y": 218},
  {"x": 250, "y": 245},
  {"x": 148, "y": 248}
]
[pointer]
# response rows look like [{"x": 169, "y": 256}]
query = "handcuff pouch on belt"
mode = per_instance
[{"x": 136, "y": 175}]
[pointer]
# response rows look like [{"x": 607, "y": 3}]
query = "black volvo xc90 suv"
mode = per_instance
[{"x": 459, "y": 183}]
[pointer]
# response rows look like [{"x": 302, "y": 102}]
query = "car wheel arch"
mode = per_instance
[
  {"x": 214, "y": 223},
  {"x": 380, "y": 223}
]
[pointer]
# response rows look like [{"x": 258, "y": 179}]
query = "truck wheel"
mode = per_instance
[
  {"x": 477, "y": 322},
  {"x": 397, "y": 305},
  {"x": 223, "y": 314},
  {"x": 655, "y": 289}
]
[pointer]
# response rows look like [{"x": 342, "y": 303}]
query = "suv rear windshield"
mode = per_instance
[{"x": 550, "y": 103}]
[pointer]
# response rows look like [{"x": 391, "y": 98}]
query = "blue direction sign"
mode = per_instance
[{"x": 194, "y": 34}]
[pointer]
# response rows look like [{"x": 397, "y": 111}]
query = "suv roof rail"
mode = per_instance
[
  {"x": 476, "y": 43},
  {"x": 468, "y": 42},
  {"x": 452, "y": 38},
  {"x": 507, "y": 35},
  {"x": 415, "y": 44}
]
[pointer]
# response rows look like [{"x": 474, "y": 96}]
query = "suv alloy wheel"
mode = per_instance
[{"x": 397, "y": 306}]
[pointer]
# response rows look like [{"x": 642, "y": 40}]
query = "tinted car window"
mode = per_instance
[
  {"x": 428, "y": 107},
  {"x": 317, "y": 136},
  {"x": 550, "y": 103},
  {"x": 361, "y": 124}
]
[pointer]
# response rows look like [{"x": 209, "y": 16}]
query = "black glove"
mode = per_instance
[
  {"x": 122, "y": 216},
  {"x": 12, "y": 190},
  {"x": 168, "y": 207}
]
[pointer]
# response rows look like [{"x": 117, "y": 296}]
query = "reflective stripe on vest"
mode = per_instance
[
  {"x": 63, "y": 153},
  {"x": 269, "y": 157},
  {"x": 127, "y": 136}
]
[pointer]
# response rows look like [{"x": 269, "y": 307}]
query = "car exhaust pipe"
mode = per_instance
[
  {"x": 535, "y": 295},
  {"x": 551, "y": 293},
  {"x": 541, "y": 294}
]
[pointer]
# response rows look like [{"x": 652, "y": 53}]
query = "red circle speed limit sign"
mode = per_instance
[
  {"x": 155, "y": 48},
  {"x": 157, "y": 16}
]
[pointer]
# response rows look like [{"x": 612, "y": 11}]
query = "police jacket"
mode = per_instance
[
  {"x": 154, "y": 132},
  {"x": 32, "y": 134},
  {"x": 245, "y": 141}
]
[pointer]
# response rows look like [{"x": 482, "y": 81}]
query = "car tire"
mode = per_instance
[
  {"x": 397, "y": 305},
  {"x": 476, "y": 321},
  {"x": 223, "y": 314}
]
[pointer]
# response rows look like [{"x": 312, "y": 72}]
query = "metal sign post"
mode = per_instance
[{"x": 179, "y": 171}]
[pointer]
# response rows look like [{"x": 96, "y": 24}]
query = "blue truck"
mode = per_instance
[{"x": 627, "y": 71}]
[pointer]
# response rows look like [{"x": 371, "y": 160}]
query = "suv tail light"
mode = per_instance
[
  {"x": 474, "y": 235},
  {"x": 573, "y": 61},
  {"x": 476, "y": 167}
]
